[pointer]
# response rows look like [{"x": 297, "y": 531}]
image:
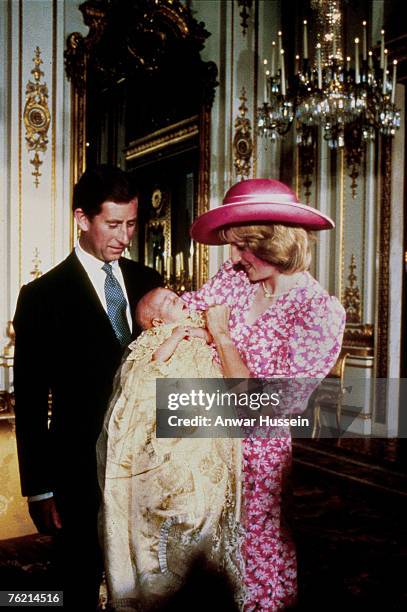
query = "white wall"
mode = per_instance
[{"x": 33, "y": 218}]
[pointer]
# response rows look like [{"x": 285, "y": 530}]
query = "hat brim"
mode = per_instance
[{"x": 206, "y": 227}]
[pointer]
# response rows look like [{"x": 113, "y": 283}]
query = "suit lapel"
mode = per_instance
[
  {"x": 130, "y": 288},
  {"x": 85, "y": 297}
]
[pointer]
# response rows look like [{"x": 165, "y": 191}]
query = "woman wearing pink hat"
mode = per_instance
[{"x": 269, "y": 318}]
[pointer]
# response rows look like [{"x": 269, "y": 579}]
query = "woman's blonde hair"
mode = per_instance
[{"x": 287, "y": 248}]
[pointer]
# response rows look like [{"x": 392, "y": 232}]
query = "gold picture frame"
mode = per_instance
[{"x": 78, "y": 55}]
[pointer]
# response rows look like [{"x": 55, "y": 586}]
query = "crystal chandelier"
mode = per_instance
[{"x": 347, "y": 100}]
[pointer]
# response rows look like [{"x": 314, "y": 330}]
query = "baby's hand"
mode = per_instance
[
  {"x": 180, "y": 332},
  {"x": 165, "y": 351},
  {"x": 199, "y": 332}
]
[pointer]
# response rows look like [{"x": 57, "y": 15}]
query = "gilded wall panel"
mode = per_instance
[{"x": 354, "y": 243}]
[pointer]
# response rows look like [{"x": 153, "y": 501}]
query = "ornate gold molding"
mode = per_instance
[
  {"x": 79, "y": 47},
  {"x": 173, "y": 134},
  {"x": 78, "y": 143},
  {"x": 201, "y": 262},
  {"x": 307, "y": 154},
  {"x": 354, "y": 155},
  {"x": 359, "y": 340},
  {"x": 36, "y": 272},
  {"x": 37, "y": 117},
  {"x": 245, "y": 8},
  {"x": 351, "y": 298},
  {"x": 150, "y": 23},
  {"x": 242, "y": 141},
  {"x": 159, "y": 223}
]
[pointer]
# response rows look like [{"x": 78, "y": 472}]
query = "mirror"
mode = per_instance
[{"x": 141, "y": 99}]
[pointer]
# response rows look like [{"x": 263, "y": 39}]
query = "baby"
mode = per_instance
[
  {"x": 163, "y": 306},
  {"x": 165, "y": 500}
]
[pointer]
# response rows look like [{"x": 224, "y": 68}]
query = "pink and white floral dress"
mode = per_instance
[{"x": 299, "y": 336}]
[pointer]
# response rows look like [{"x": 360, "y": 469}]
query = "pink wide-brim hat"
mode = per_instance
[{"x": 257, "y": 202}]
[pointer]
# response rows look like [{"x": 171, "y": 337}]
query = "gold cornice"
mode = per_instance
[
  {"x": 146, "y": 17},
  {"x": 361, "y": 335},
  {"x": 173, "y": 134},
  {"x": 178, "y": 17},
  {"x": 358, "y": 340}
]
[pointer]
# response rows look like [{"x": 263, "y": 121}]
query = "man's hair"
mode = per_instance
[
  {"x": 102, "y": 184},
  {"x": 287, "y": 248}
]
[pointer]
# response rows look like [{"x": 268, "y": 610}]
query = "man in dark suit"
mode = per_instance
[{"x": 72, "y": 327}]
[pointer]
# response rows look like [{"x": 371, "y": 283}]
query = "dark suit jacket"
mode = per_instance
[{"x": 65, "y": 343}]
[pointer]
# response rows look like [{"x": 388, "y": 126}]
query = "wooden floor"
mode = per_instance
[
  {"x": 348, "y": 512},
  {"x": 349, "y": 520}
]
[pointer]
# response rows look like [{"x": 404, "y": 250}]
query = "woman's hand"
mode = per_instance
[{"x": 217, "y": 319}]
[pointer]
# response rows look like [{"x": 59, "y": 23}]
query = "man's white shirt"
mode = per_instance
[{"x": 97, "y": 276}]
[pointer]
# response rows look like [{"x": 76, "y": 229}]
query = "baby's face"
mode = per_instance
[{"x": 169, "y": 307}]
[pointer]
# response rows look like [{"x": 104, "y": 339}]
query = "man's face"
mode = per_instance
[{"x": 109, "y": 233}]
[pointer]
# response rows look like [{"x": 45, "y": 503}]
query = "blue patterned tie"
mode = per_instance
[{"x": 116, "y": 306}]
